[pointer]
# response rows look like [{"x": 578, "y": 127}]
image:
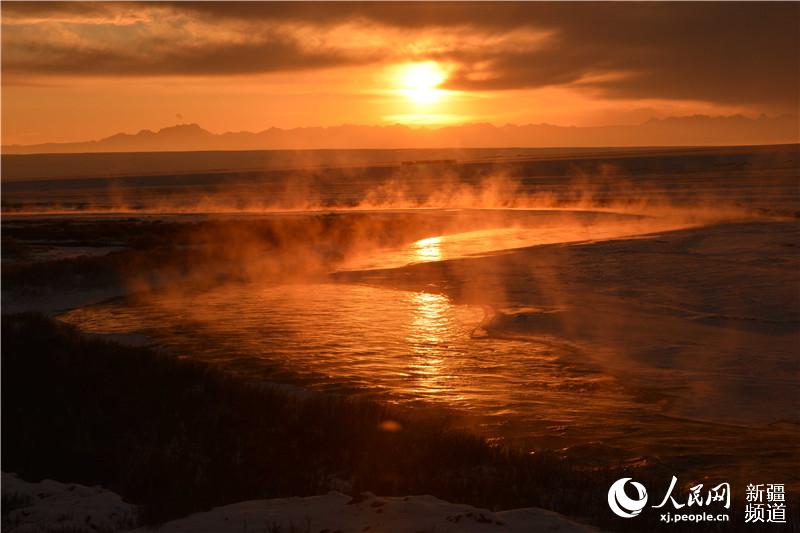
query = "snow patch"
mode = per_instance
[
  {"x": 338, "y": 512},
  {"x": 50, "y": 506}
]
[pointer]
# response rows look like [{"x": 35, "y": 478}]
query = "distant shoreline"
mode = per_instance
[{"x": 58, "y": 166}]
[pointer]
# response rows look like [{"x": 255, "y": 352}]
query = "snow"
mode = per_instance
[
  {"x": 49, "y": 506},
  {"x": 52, "y": 506},
  {"x": 338, "y": 512}
]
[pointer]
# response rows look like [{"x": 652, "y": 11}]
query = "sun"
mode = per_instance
[{"x": 420, "y": 81}]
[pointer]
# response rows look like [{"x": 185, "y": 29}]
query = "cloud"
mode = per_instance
[
  {"x": 726, "y": 53},
  {"x": 15, "y": 13},
  {"x": 731, "y": 53},
  {"x": 268, "y": 54},
  {"x": 151, "y": 40}
]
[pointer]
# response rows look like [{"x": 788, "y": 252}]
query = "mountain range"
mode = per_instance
[{"x": 697, "y": 130}]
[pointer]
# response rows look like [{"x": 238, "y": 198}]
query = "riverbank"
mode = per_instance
[
  {"x": 176, "y": 437},
  {"x": 49, "y": 506}
]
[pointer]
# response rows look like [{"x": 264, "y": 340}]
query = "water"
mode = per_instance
[
  {"x": 410, "y": 348},
  {"x": 509, "y": 229},
  {"x": 675, "y": 398},
  {"x": 413, "y": 348},
  {"x": 760, "y": 177},
  {"x": 421, "y": 350}
]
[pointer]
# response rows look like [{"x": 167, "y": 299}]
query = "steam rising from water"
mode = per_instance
[
  {"x": 403, "y": 285},
  {"x": 443, "y": 185}
]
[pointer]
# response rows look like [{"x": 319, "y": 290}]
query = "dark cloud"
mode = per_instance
[
  {"x": 56, "y": 9},
  {"x": 399, "y": 14},
  {"x": 76, "y": 12},
  {"x": 266, "y": 55},
  {"x": 728, "y": 53},
  {"x": 735, "y": 53}
]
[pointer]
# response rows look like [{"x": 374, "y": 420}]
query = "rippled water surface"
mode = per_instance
[
  {"x": 412, "y": 348},
  {"x": 419, "y": 349}
]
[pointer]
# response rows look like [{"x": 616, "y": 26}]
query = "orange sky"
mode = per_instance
[{"x": 77, "y": 71}]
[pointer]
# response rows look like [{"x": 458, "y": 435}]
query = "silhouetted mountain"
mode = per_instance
[{"x": 695, "y": 130}]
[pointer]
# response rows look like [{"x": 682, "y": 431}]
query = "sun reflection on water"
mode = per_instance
[
  {"x": 429, "y": 320},
  {"x": 427, "y": 339},
  {"x": 427, "y": 249}
]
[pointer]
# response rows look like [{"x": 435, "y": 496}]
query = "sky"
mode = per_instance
[{"x": 78, "y": 71}]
